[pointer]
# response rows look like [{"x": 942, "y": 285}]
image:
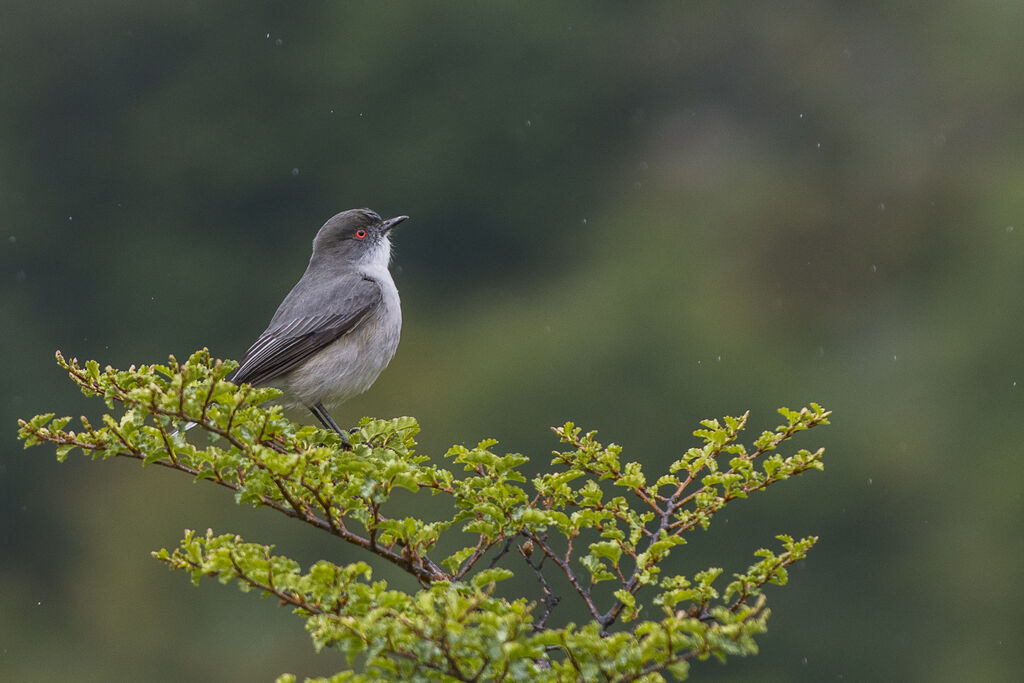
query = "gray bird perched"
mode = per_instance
[{"x": 339, "y": 326}]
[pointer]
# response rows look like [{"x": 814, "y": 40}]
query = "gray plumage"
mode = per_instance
[{"x": 339, "y": 326}]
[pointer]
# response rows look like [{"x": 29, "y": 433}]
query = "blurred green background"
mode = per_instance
[{"x": 634, "y": 216}]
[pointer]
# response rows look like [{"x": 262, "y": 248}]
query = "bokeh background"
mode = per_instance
[{"x": 634, "y": 216}]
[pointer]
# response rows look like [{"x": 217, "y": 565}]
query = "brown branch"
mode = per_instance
[
  {"x": 315, "y": 492},
  {"x": 567, "y": 570},
  {"x": 482, "y": 546},
  {"x": 550, "y": 599},
  {"x": 500, "y": 554},
  {"x": 426, "y": 570},
  {"x": 287, "y": 597}
]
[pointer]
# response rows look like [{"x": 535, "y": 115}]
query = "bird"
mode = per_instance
[{"x": 338, "y": 327}]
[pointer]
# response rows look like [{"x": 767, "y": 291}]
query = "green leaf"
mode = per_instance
[
  {"x": 632, "y": 476},
  {"x": 598, "y": 571},
  {"x": 455, "y": 560},
  {"x": 629, "y": 601},
  {"x": 607, "y": 549},
  {"x": 488, "y": 576}
]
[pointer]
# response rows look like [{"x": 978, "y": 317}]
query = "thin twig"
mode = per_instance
[
  {"x": 567, "y": 570},
  {"x": 550, "y": 599}
]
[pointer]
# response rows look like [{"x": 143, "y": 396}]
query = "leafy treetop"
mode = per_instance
[{"x": 592, "y": 520}]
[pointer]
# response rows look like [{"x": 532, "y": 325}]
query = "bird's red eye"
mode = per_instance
[{"x": 360, "y": 234}]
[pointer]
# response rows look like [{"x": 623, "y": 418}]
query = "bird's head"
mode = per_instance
[{"x": 357, "y": 237}]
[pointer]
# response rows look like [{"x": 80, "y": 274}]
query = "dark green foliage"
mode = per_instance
[{"x": 591, "y": 519}]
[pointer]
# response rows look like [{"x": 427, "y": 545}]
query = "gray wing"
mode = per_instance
[{"x": 292, "y": 339}]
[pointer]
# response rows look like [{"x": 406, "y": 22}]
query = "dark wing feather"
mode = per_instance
[{"x": 290, "y": 341}]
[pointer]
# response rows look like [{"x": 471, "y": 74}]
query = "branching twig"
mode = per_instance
[
  {"x": 427, "y": 571},
  {"x": 567, "y": 570},
  {"x": 550, "y": 599},
  {"x": 501, "y": 553}
]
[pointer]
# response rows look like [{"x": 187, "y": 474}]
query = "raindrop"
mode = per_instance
[
  {"x": 70, "y": 218},
  {"x": 295, "y": 171},
  {"x": 874, "y": 268},
  {"x": 801, "y": 115},
  {"x": 1009, "y": 228},
  {"x": 894, "y": 356},
  {"x": 1014, "y": 383},
  {"x": 268, "y": 35},
  {"x": 818, "y": 145},
  {"x": 278, "y": 42},
  {"x": 719, "y": 359},
  {"x": 529, "y": 123},
  {"x": 584, "y": 221},
  {"x": 12, "y": 239},
  {"x": 881, "y": 206},
  {"x": 870, "y": 481}
]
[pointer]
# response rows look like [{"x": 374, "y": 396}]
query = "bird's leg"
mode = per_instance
[{"x": 328, "y": 422}]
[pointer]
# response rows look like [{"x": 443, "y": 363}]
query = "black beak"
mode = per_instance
[{"x": 392, "y": 222}]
